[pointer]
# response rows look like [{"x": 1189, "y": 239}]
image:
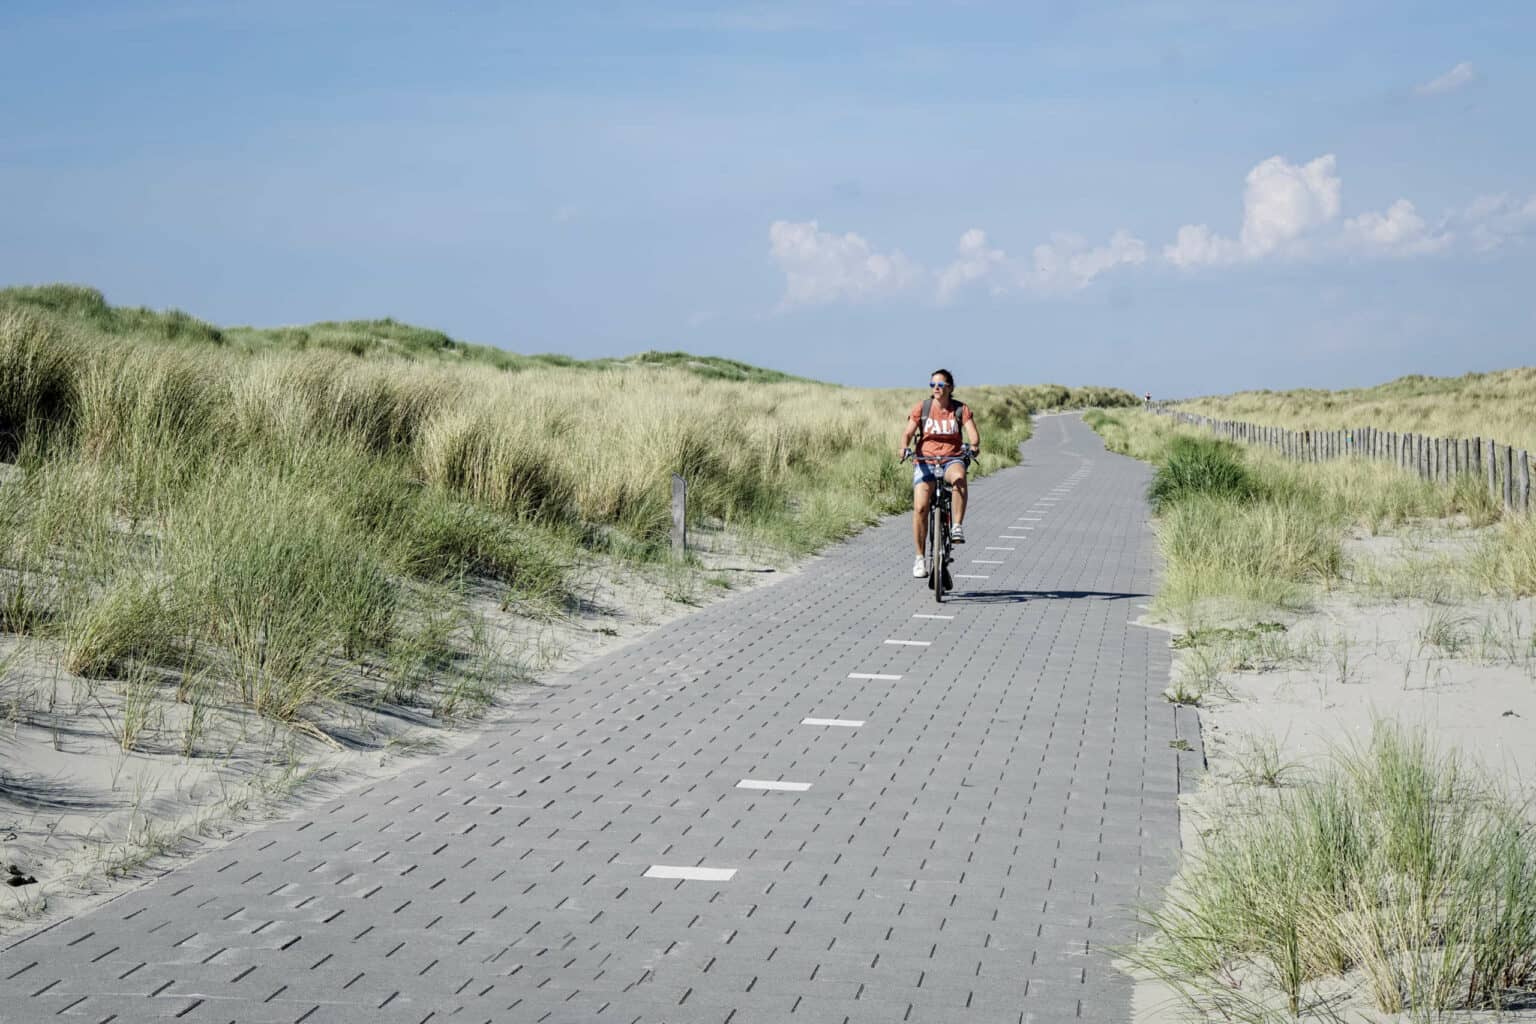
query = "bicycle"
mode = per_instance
[{"x": 939, "y": 549}]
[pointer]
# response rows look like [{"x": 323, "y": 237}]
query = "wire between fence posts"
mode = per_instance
[{"x": 679, "y": 517}]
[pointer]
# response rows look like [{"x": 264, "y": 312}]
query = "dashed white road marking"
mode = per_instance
[
  {"x": 872, "y": 675},
  {"x": 964, "y": 576},
  {"x": 692, "y": 874},
  {"x": 991, "y": 548},
  {"x": 1006, "y": 536},
  {"x": 1029, "y": 519},
  {"x": 769, "y": 784},
  {"x": 911, "y": 643},
  {"x": 834, "y": 723},
  {"x": 924, "y": 615}
]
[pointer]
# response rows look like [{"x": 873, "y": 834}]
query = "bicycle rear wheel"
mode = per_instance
[{"x": 936, "y": 550}]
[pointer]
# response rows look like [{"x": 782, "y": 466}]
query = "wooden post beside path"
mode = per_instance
[{"x": 679, "y": 517}]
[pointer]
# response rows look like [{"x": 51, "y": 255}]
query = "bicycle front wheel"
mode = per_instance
[{"x": 938, "y": 548}]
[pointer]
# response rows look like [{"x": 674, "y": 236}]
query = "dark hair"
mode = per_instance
[{"x": 947, "y": 376}]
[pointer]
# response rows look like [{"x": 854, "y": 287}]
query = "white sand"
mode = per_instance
[{"x": 1360, "y": 659}]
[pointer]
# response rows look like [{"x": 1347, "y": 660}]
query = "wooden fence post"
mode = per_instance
[
  {"x": 1509, "y": 477},
  {"x": 1493, "y": 470},
  {"x": 1525, "y": 481},
  {"x": 679, "y": 517}
]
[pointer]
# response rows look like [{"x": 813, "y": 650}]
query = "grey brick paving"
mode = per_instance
[{"x": 967, "y": 855}]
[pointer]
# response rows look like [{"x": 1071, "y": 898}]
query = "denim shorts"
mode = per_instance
[{"x": 928, "y": 472}]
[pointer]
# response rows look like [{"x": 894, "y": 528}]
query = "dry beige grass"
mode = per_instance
[{"x": 1497, "y": 405}]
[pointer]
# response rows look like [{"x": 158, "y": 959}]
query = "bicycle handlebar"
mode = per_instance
[{"x": 967, "y": 457}]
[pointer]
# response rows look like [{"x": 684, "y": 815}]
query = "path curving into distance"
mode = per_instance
[{"x": 829, "y": 800}]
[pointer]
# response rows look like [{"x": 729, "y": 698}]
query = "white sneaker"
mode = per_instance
[
  {"x": 957, "y": 534},
  {"x": 920, "y": 568}
]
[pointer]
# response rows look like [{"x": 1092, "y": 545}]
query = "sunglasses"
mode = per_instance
[{"x": 939, "y": 384}]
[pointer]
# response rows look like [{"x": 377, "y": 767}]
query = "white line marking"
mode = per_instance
[
  {"x": 1010, "y": 537},
  {"x": 924, "y": 615},
  {"x": 872, "y": 675},
  {"x": 786, "y": 787},
  {"x": 986, "y": 561},
  {"x": 963, "y": 576},
  {"x": 693, "y": 874},
  {"x": 911, "y": 643},
  {"x": 992, "y": 548},
  {"x": 837, "y": 723},
  {"x": 1029, "y": 519}
]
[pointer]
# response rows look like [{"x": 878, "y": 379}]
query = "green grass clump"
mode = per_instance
[
  {"x": 291, "y": 515},
  {"x": 1198, "y": 466},
  {"x": 1208, "y": 635},
  {"x": 89, "y": 306},
  {"x": 1264, "y": 552},
  {"x": 1397, "y": 865}
]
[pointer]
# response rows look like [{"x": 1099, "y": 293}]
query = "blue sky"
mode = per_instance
[{"x": 1169, "y": 196}]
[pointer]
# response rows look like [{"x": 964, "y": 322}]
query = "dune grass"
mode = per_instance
[
  {"x": 1241, "y": 523},
  {"x": 300, "y": 522},
  {"x": 1396, "y": 870},
  {"x": 1396, "y": 867},
  {"x": 1491, "y": 405}
]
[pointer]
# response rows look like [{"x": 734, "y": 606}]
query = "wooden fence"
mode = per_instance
[{"x": 1441, "y": 459}]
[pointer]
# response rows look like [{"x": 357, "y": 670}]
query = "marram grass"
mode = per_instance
[
  {"x": 1493, "y": 405},
  {"x": 1397, "y": 865},
  {"x": 1243, "y": 523},
  {"x": 297, "y": 518}
]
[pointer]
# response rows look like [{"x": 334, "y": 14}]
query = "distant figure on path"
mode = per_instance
[{"x": 935, "y": 426}]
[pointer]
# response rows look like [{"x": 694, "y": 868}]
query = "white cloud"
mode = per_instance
[
  {"x": 1282, "y": 203},
  {"x": 1398, "y": 231},
  {"x": 1488, "y": 222},
  {"x": 821, "y": 267},
  {"x": 1452, "y": 80},
  {"x": 1197, "y": 244},
  {"x": 1068, "y": 261},
  {"x": 976, "y": 262},
  {"x": 1290, "y": 211}
]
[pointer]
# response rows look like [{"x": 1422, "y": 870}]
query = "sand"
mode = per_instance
[{"x": 1463, "y": 670}]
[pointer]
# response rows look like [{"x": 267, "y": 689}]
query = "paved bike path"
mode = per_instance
[{"x": 897, "y": 817}]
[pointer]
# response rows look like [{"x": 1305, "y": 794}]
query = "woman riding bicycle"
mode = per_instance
[{"x": 938, "y": 423}]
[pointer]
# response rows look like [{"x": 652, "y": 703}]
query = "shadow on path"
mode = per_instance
[{"x": 1015, "y": 596}]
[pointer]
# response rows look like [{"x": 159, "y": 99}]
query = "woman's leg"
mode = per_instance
[
  {"x": 922, "y": 497},
  {"x": 955, "y": 474}
]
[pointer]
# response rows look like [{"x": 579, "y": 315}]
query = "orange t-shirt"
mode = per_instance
[{"x": 941, "y": 433}]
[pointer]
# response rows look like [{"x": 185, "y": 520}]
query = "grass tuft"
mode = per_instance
[
  {"x": 1201, "y": 467},
  {"x": 1397, "y": 862}
]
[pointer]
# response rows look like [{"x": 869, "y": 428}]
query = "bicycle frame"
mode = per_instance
[{"x": 939, "y": 547}]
